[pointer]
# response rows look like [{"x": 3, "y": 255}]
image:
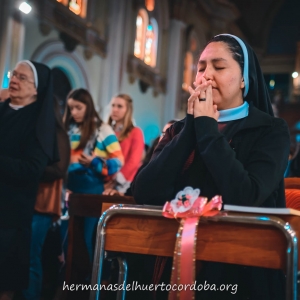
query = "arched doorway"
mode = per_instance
[{"x": 53, "y": 54}]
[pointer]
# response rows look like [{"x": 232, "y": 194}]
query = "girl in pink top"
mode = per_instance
[{"x": 130, "y": 138}]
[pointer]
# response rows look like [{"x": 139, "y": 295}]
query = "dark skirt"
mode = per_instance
[
  {"x": 14, "y": 260},
  {"x": 239, "y": 282},
  {"x": 215, "y": 281}
]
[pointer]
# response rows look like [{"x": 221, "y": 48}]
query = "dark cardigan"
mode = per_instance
[
  {"x": 22, "y": 161},
  {"x": 246, "y": 169}
]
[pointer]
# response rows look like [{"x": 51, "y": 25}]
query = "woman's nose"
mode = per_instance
[
  {"x": 13, "y": 79},
  {"x": 207, "y": 74}
]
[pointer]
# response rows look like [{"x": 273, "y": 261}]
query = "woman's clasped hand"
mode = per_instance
[{"x": 200, "y": 102}]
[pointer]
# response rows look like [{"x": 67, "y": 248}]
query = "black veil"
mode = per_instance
[{"x": 255, "y": 86}]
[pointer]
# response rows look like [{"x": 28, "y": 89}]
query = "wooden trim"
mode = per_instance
[
  {"x": 292, "y": 183},
  {"x": 244, "y": 244}
]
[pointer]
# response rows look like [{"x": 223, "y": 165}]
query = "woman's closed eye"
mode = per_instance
[{"x": 219, "y": 68}]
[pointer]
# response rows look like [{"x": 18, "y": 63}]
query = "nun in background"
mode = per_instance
[
  {"x": 229, "y": 144},
  {"x": 28, "y": 144}
]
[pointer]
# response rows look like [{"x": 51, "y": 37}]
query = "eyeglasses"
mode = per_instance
[
  {"x": 162, "y": 133},
  {"x": 22, "y": 78}
]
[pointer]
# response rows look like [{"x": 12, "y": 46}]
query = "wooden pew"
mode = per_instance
[
  {"x": 78, "y": 266},
  {"x": 292, "y": 192},
  {"x": 246, "y": 239},
  {"x": 292, "y": 183}
]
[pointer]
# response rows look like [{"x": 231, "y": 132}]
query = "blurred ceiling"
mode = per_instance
[{"x": 270, "y": 25}]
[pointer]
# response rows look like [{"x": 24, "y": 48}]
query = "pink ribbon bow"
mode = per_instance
[{"x": 188, "y": 206}]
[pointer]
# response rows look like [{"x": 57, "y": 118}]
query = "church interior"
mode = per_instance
[{"x": 148, "y": 49}]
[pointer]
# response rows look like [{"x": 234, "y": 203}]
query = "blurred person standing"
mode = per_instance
[
  {"x": 28, "y": 144},
  {"x": 146, "y": 160},
  {"x": 95, "y": 152},
  {"x": 169, "y": 124},
  {"x": 47, "y": 207},
  {"x": 130, "y": 138}
]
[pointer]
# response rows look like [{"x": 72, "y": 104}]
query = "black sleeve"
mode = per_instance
[
  {"x": 58, "y": 170},
  {"x": 27, "y": 169},
  {"x": 250, "y": 183},
  {"x": 155, "y": 183}
]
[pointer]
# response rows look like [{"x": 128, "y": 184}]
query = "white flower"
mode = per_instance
[{"x": 184, "y": 200}]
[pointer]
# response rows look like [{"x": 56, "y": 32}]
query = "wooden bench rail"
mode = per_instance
[
  {"x": 78, "y": 265},
  {"x": 292, "y": 183},
  {"x": 85, "y": 205},
  {"x": 245, "y": 239}
]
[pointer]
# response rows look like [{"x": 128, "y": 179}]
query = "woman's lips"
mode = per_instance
[{"x": 12, "y": 88}]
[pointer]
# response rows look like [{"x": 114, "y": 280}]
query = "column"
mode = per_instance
[
  {"x": 12, "y": 33},
  {"x": 113, "y": 62},
  {"x": 296, "y": 81},
  {"x": 175, "y": 70},
  {"x": 5, "y": 8}
]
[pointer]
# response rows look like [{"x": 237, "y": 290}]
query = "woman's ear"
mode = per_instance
[{"x": 242, "y": 83}]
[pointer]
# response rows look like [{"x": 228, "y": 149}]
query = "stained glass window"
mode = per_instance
[
  {"x": 64, "y": 2},
  {"x": 149, "y": 44},
  {"x": 150, "y": 4},
  {"x": 139, "y": 37},
  {"x": 78, "y": 7},
  {"x": 188, "y": 71},
  {"x": 145, "y": 45},
  {"x": 75, "y": 6},
  {"x": 190, "y": 63}
]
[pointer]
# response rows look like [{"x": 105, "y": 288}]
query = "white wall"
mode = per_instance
[
  {"x": 33, "y": 36},
  {"x": 147, "y": 110},
  {"x": 81, "y": 72}
]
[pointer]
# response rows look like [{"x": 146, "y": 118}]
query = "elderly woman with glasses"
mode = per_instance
[{"x": 28, "y": 144}]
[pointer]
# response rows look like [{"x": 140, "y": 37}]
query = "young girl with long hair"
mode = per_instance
[
  {"x": 130, "y": 138},
  {"x": 95, "y": 151}
]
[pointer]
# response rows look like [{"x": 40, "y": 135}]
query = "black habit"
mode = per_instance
[
  {"x": 27, "y": 144},
  {"x": 22, "y": 162}
]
